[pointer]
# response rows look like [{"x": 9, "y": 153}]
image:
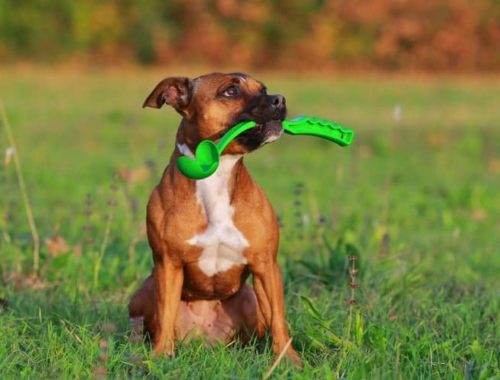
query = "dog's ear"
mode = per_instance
[{"x": 174, "y": 91}]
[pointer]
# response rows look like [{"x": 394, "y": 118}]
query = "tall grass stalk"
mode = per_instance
[
  {"x": 278, "y": 360},
  {"x": 388, "y": 183},
  {"x": 105, "y": 240},
  {"x": 22, "y": 186},
  {"x": 348, "y": 347},
  {"x": 102, "y": 250}
]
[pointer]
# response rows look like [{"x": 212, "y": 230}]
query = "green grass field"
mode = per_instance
[{"x": 415, "y": 200}]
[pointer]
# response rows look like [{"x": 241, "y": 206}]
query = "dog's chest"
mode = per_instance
[{"x": 221, "y": 241}]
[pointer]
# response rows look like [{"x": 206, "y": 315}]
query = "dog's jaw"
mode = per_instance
[{"x": 273, "y": 131}]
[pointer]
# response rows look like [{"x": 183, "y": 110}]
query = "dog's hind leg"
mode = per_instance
[{"x": 140, "y": 309}]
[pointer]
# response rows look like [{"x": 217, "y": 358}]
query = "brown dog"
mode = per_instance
[{"x": 208, "y": 235}]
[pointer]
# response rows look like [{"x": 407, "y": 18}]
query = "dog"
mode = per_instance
[{"x": 207, "y": 236}]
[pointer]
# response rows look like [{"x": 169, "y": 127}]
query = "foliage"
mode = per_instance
[
  {"x": 389, "y": 34},
  {"x": 414, "y": 199}
]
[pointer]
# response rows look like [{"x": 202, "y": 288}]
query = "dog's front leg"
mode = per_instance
[
  {"x": 168, "y": 287},
  {"x": 269, "y": 290}
]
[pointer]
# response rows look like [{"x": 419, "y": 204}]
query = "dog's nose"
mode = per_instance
[{"x": 278, "y": 101}]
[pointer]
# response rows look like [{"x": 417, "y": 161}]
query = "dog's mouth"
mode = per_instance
[
  {"x": 267, "y": 112},
  {"x": 263, "y": 133},
  {"x": 272, "y": 131}
]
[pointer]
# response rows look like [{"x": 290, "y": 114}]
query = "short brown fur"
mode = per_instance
[{"x": 178, "y": 296}]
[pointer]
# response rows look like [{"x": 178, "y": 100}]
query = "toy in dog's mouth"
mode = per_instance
[{"x": 250, "y": 133}]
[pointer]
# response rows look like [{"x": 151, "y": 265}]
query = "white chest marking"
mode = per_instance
[
  {"x": 184, "y": 150},
  {"x": 222, "y": 242}
]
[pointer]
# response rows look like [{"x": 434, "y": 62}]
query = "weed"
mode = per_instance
[{"x": 12, "y": 151}]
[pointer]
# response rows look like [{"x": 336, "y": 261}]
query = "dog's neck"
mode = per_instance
[
  {"x": 222, "y": 175},
  {"x": 188, "y": 134},
  {"x": 222, "y": 181}
]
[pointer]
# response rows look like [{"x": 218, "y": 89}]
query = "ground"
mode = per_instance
[{"x": 412, "y": 206}]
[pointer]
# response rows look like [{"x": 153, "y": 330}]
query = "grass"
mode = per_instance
[{"x": 414, "y": 200}]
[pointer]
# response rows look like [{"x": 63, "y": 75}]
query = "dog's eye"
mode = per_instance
[{"x": 231, "y": 92}]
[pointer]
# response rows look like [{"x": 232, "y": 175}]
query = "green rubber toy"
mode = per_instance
[{"x": 207, "y": 155}]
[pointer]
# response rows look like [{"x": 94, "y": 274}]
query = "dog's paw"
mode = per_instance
[
  {"x": 166, "y": 349},
  {"x": 286, "y": 351},
  {"x": 294, "y": 357}
]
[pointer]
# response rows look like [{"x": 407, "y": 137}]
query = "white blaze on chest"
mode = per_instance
[{"x": 221, "y": 241}]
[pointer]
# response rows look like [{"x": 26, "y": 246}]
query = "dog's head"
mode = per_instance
[{"x": 211, "y": 104}]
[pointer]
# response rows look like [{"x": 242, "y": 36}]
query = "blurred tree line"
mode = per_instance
[{"x": 389, "y": 34}]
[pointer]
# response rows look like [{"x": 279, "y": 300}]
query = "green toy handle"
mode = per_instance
[
  {"x": 230, "y": 135},
  {"x": 313, "y": 126},
  {"x": 207, "y": 155}
]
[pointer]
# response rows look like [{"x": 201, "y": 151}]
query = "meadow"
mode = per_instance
[{"x": 410, "y": 213}]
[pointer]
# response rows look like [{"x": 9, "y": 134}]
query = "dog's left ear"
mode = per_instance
[{"x": 174, "y": 91}]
